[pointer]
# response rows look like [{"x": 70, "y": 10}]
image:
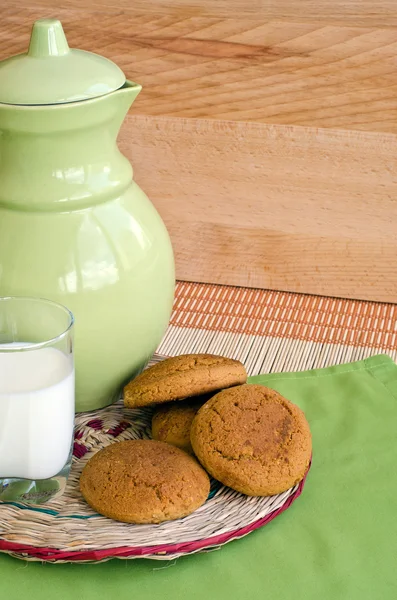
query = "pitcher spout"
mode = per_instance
[{"x": 124, "y": 98}]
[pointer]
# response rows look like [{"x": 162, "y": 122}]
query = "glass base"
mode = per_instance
[{"x": 26, "y": 491}]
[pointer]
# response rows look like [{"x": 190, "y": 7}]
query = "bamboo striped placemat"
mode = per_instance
[{"x": 275, "y": 331}]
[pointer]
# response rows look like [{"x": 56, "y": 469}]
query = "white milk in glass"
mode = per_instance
[{"x": 36, "y": 412}]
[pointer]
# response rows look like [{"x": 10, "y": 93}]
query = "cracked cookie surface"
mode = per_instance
[
  {"x": 182, "y": 376},
  {"x": 172, "y": 421},
  {"x": 144, "y": 481},
  {"x": 253, "y": 440}
]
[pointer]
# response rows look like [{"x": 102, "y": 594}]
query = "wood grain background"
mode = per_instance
[
  {"x": 245, "y": 68},
  {"x": 270, "y": 206},
  {"x": 356, "y": 12},
  {"x": 265, "y": 132}
]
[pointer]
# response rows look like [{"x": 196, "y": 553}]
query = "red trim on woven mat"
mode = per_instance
[{"x": 52, "y": 554}]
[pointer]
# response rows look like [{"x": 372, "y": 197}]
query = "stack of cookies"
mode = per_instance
[{"x": 207, "y": 420}]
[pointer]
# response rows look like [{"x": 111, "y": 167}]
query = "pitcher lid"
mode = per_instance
[{"x": 52, "y": 73}]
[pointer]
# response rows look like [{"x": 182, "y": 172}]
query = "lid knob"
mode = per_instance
[{"x": 47, "y": 39}]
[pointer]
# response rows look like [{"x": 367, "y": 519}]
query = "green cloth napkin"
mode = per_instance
[{"x": 338, "y": 541}]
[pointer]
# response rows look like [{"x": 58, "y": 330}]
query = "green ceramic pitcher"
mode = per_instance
[{"x": 74, "y": 226}]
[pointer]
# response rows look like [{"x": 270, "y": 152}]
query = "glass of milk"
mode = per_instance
[{"x": 36, "y": 399}]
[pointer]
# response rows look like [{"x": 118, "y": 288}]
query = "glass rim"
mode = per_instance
[{"x": 45, "y": 343}]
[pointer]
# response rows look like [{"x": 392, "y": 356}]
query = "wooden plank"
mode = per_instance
[
  {"x": 280, "y": 207},
  {"x": 193, "y": 63},
  {"x": 354, "y": 12}
]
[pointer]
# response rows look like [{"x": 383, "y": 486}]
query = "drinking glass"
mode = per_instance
[{"x": 36, "y": 399}]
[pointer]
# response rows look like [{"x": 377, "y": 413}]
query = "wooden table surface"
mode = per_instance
[{"x": 322, "y": 220}]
